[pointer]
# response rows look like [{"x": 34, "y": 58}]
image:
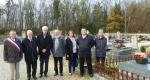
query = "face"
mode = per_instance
[
  {"x": 100, "y": 32},
  {"x": 57, "y": 34},
  {"x": 29, "y": 34},
  {"x": 118, "y": 33},
  {"x": 83, "y": 31},
  {"x": 71, "y": 34},
  {"x": 45, "y": 30},
  {"x": 12, "y": 34}
]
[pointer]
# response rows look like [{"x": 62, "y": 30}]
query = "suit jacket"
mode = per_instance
[
  {"x": 44, "y": 43},
  {"x": 30, "y": 49},
  {"x": 60, "y": 52},
  {"x": 11, "y": 52}
]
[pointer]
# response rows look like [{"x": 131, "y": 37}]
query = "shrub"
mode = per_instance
[{"x": 142, "y": 49}]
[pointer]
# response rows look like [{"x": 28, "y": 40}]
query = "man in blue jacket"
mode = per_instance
[{"x": 85, "y": 43}]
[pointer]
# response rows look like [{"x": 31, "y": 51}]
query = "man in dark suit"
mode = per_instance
[
  {"x": 85, "y": 43},
  {"x": 13, "y": 54},
  {"x": 29, "y": 45},
  {"x": 45, "y": 44}
]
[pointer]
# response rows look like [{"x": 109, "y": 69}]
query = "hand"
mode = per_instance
[
  {"x": 6, "y": 61},
  {"x": 43, "y": 50},
  {"x": 67, "y": 56}
]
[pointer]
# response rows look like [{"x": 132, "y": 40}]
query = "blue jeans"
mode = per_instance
[{"x": 73, "y": 62}]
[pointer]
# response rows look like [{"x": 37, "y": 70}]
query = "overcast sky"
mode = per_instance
[{"x": 3, "y": 2}]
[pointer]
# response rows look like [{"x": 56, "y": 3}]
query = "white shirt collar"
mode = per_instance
[
  {"x": 84, "y": 36},
  {"x": 30, "y": 38}
]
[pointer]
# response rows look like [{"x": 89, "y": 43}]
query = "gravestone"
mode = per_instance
[
  {"x": 134, "y": 42},
  {"x": 107, "y": 37}
]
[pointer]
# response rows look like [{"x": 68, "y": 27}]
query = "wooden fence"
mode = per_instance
[{"x": 110, "y": 70}]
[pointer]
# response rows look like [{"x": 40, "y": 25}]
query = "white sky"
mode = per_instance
[{"x": 2, "y": 2}]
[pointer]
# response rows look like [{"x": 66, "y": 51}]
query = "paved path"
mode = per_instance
[{"x": 4, "y": 71}]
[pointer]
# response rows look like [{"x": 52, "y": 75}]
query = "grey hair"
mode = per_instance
[{"x": 44, "y": 27}]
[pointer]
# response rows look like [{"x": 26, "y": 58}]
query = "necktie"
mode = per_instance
[
  {"x": 56, "y": 44},
  {"x": 44, "y": 36},
  {"x": 30, "y": 39}
]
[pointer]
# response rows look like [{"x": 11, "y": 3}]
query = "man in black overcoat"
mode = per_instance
[{"x": 45, "y": 44}]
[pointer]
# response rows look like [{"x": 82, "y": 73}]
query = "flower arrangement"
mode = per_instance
[
  {"x": 140, "y": 58},
  {"x": 119, "y": 44}
]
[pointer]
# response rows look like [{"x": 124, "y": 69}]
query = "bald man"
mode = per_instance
[
  {"x": 45, "y": 44},
  {"x": 29, "y": 45}
]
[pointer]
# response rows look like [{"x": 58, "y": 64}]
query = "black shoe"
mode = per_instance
[
  {"x": 29, "y": 78},
  {"x": 91, "y": 75},
  {"x": 61, "y": 74},
  {"x": 55, "y": 74},
  {"x": 46, "y": 75},
  {"x": 35, "y": 78},
  {"x": 81, "y": 75},
  {"x": 41, "y": 76}
]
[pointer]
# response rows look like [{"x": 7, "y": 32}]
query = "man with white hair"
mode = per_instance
[
  {"x": 45, "y": 44},
  {"x": 29, "y": 45},
  {"x": 58, "y": 51}
]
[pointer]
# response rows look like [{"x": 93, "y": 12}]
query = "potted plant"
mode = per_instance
[
  {"x": 142, "y": 49},
  {"x": 119, "y": 44}
]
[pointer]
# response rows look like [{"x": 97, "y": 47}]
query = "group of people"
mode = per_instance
[{"x": 41, "y": 46}]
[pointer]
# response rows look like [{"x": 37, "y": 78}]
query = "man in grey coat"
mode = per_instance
[
  {"x": 13, "y": 54},
  {"x": 101, "y": 45},
  {"x": 58, "y": 51}
]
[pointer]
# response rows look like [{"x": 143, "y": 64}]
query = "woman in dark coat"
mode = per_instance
[
  {"x": 71, "y": 51},
  {"x": 100, "y": 44}
]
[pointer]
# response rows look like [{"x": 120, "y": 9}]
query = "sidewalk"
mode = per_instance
[{"x": 4, "y": 71}]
